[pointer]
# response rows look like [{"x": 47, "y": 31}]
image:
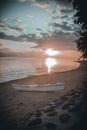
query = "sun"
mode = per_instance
[{"x": 52, "y": 52}]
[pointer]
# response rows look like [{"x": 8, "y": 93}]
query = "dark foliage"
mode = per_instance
[
  {"x": 82, "y": 43},
  {"x": 81, "y": 18}
]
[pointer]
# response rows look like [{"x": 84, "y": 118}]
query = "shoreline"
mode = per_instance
[
  {"x": 40, "y": 75},
  {"x": 16, "y": 105},
  {"x": 37, "y": 75}
]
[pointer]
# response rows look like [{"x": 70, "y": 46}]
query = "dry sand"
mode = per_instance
[{"x": 19, "y": 110}]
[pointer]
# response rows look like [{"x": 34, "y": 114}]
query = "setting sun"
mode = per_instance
[
  {"x": 52, "y": 52},
  {"x": 50, "y": 62}
]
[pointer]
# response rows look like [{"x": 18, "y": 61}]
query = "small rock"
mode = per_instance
[
  {"x": 64, "y": 117},
  {"x": 50, "y": 126},
  {"x": 35, "y": 122}
]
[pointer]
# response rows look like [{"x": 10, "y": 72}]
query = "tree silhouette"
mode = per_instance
[
  {"x": 82, "y": 44},
  {"x": 81, "y": 19}
]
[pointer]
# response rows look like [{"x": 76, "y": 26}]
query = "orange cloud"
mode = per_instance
[{"x": 41, "y": 5}]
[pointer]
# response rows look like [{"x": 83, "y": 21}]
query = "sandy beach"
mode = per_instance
[{"x": 60, "y": 110}]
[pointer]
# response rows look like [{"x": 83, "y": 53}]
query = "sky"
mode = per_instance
[{"x": 27, "y": 25}]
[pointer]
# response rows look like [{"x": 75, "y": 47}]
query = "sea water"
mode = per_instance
[{"x": 17, "y": 68}]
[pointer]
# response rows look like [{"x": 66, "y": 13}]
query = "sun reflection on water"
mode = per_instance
[{"x": 50, "y": 62}]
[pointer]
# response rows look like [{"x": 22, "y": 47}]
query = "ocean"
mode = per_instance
[{"x": 17, "y": 68}]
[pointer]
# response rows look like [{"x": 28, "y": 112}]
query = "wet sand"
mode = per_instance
[{"x": 60, "y": 110}]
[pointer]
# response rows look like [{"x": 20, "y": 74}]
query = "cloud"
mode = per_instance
[
  {"x": 64, "y": 26},
  {"x": 64, "y": 16},
  {"x": 21, "y": 38},
  {"x": 9, "y": 37},
  {"x": 66, "y": 11},
  {"x": 42, "y": 5},
  {"x": 63, "y": 3},
  {"x": 61, "y": 20},
  {"x": 38, "y": 29},
  {"x": 51, "y": 11},
  {"x": 21, "y": 1},
  {"x": 31, "y": 0},
  {"x": 64, "y": 23},
  {"x": 18, "y": 45},
  {"x": 33, "y": 52},
  {"x": 63, "y": 30},
  {"x": 38, "y": 33},
  {"x": 16, "y": 28},
  {"x": 1, "y": 22},
  {"x": 54, "y": 18},
  {"x": 11, "y": 30},
  {"x": 5, "y": 52},
  {"x": 57, "y": 5},
  {"x": 23, "y": 25},
  {"x": 17, "y": 21}
]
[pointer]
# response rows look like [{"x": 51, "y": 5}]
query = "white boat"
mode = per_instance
[{"x": 38, "y": 88}]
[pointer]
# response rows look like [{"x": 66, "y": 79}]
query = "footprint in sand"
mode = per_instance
[
  {"x": 64, "y": 118},
  {"x": 34, "y": 122},
  {"x": 52, "y": 113},
  {"x": 56, "y": 113},
  {"x": 50, "y": 126}
]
